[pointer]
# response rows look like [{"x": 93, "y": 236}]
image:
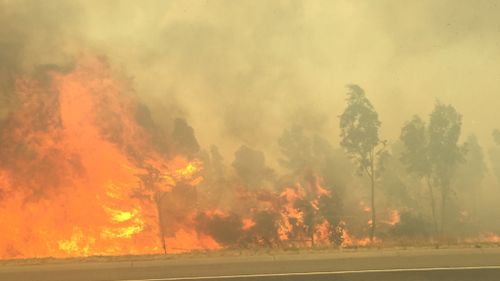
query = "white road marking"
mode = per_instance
[{"x": 317, "y": 273}]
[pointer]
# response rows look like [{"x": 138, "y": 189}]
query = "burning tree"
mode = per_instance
[
  {"x": 309, "y": 160},
  {"x": 329, "y": 208},
  {"x": 359, "y": 126},
  {"x": 151, "y": 182}
]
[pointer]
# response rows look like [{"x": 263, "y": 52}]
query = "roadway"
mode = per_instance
[{"x": 412, "y": 265}]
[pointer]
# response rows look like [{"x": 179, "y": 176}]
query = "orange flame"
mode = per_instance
[{"x": 74, "y": 152}]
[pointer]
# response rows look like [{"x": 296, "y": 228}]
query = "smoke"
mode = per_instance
[
  {"x": 240, "y": 72},
  {"x": 239, "y": 77}
]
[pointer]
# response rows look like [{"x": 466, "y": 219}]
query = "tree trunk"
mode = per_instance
[
  {"x": 433, "y": 207},
  {"x": 158, "y": 198},
  {"x": 444, "y": 194},
  {"x": 372, "y": 180},
  {"x": 474, "y": 206}
]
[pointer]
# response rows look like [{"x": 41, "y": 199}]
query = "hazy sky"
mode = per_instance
[{"x": 241, "y": 71}]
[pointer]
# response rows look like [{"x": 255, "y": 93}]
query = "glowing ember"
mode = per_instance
[
  {"x": 394, "y": 218},
  {"x": 364, "y": 207},
  {"x": 247, "y": 223}
]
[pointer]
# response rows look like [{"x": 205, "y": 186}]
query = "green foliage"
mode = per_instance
[
  {"x": 359, "y": 125},
  {"x": 432, "y": 152},
  {"x": 309, "y": 156},
  {"x": 472, "y": 171},
  {"x": 305, "y": 152},
  {"x": 329, "y": 208},
  {"x": 397, "y": 184},
  {"x": 415, "y": 156},
  {"x": 443, "y": 149},
  {"x": 495, "y": 155},
  {"x": 309, "y": 215}
]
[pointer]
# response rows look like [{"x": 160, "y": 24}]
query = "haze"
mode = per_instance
[{"x": 241, "y": 72}]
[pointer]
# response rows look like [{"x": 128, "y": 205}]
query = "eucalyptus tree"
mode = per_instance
[
  {"x": 416, "y": 158},
  {"x": 495, "y": 155},
  {"x": 359, "y": 125},
  {"x": 471, "y": 173},
  {"x": 433, "y": 153}
]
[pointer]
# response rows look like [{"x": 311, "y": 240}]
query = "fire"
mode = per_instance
[
  {"x": 486, "y": 238},
  {"x": 394, "y": 217},
  {"x": 289, "y": 212},
  {"x": 75, "y": 244},
  {"x": 187, "y": 240},
  {"x": 301, "y": 220},
  {"x": 121, "y": 216},
  {"x": 71, "y": 158},
  {"x": 352, "y": 241},
  {"x": 247, "y": 223},
  {"x": 188, "y": 170},
  {"x": 364, "y": 207},
  {"x": 80, "y": 176}
]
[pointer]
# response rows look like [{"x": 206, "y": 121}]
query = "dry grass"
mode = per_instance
[{"x": 399, "y": 244}]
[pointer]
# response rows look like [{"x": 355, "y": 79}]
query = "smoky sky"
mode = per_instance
[{"x": 240, "y": 72}]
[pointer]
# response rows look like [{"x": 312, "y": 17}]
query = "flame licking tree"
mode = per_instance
[
  {"x": 71, "y": 158},
  {"x": 150, "y": 181}
]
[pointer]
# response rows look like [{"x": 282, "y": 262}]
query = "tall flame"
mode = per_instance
[{"x": 70, "y": 168}]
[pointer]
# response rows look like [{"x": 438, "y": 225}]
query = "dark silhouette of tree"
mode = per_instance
[
  {"x": 265, "y": 229},
  {"x": 397, "y": 185},
  {"x": 215, "y": 183},
  {"x": 309, "y": 217},
  {"x": 224, "y": 229},
  {"x": 444, "y": 152},
  {"x": 184, "y": 139},
  {"x": 250, "y": 165},
  {"x": 472, "y": 172},
  {"x": 416, "y": 158},
  {"x": 329, "y": 208},
  {"x": 411, "y": 225},
  {"x": 217, "y": 163},
  {"x": 310, "y": 157},
  {"x": 150, "y": 190},
  {"x": 359, "y": 126},
  {"x": 495, "y": 155},
  {"x": 296, "y": 150}
]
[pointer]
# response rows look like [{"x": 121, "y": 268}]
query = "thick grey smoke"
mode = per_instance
[{"x": 242, "y": 71}]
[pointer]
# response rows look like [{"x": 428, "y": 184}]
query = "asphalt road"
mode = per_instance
[{"x": 387, "y": 265}]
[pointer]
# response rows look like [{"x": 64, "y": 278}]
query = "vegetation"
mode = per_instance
[
  {"x": 359, "y": 127},
  {"x": 427, "y": 183}
]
